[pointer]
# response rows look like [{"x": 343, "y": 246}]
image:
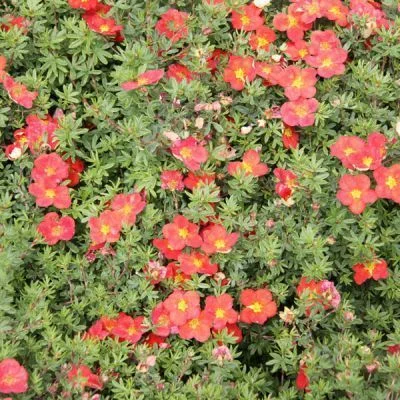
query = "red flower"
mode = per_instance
[
  {"x": 299, "y": 112},
  {"x": 217, "y": 240},
  {"x": 50, "y": 167},
  {"x": 18, "y": 92},
  {"x": 250, "y": 166},
  {"x": 147, "y": 78},
  {"x": 105, "y": 228},
  {"x": 172, "y": 180},
  {"x": 3, "y": 63},
  {"x": 310, "y": 10},
  {"x": 298, "y": 82},
  {"x": 323, "y": 41},
  {"x": 181, "y": 233},
  {"x": 174, "y": 273},
  {"x": 53, "y": 228},
  {"x": 80, "y": 376},
  {"x": 287, "y": 182},
  {"x": 297, "y": 50},
  {"x": 88, "y": 5},
  {"x": 375, "y": 269},
  {"x": 182, "y": 306},
  {"x": 247, "y": 18},
  {"x": 179, "y": 72},
  {"x": 388, "y": 182},
  {"x": 128, "y": 328},
  {"x": 215, "y": 59},
  {"x": 41, "y": 133},
  {"x": 196, "y": 263},
  {"x": 13, "y": 21},
  {"x": 336, "y": 11},
  {"x": 221, "y": 310},
  {"x": 329, "y": 63},
  {"x": 290, "y": 137},
  {"x": 161, "y": 320},
  {"x": 127, "y": 207},
  {"x": 259, "y": 306},
  {"x": 166, "y": 248},
  {"x": 345, "y": 148},
  {"x": 262, "y": 38},
  {"x": 270, "y": 72},
  {"x": 291, "y": 23},
  {"x": 194, "y": 181},
  {"x": 153, "y": 339},
  {"x": 172, "y": 24},
  {"x": 355, "y": 192},
  {"x": 197, "y": 327},
  {"x": 302, "y": 381},
  {"x": 96, "y": 331},
  {"x": 14, "y": 151},
  {"x": 49, "y": 193},
  {"x": 13, "y": 377},
  {"x": 190, "y": 152},
  {"x": 239, "y": 71},
  {"x": 394, "y": 349},
  {"x": 75, "y": 168},
  {"x": 96, "y": 21}
]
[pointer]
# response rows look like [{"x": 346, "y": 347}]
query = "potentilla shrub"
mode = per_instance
[{"x": 200, "y": 200}]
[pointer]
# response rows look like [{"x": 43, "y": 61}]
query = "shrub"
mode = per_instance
[{"x": 200, "y": 199}]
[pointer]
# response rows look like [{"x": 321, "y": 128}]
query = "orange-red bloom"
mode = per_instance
[
  {"x": 147, "y": 78},
  {"x": 299, "y": 112},
  {"x": 51, "y": 167},
  {"x": 270, "y": 72},
  {"x": 105, "y": 228},
  {"x": 329, "y": 63},
  {"x": 172, "y": 24},
  {"x": 287, "y": 182},
  {"x": 97, "y": 21},
  {"x": 221, "y": 310},
  {"x": 247, "y": 18},
  {"x": 197, "y": 328},
  {"x": 127, "y": 207},
  {"x": 180, "y": 73},
  {"x": 41, "y": 132},
  {"x": 181, "y": 233},
  {"x": 75, "y": 168},
  {"x": 336, "y": 11},
  {"x": 375, "y": 269},
  {"x": 355, "y": 192},
  {"x": 388, "y": 182},
  {"x": 87, "y": 5},
  {"x": 291, "y": 23},
  {"x": 13, "y": 377},
  {"x": 194, "y": 181},
  {"x": 297, "y": 50},
  {"x": 96, "y": 332},
  {"x": 196, "y": 263},
  {"x": 182, "y": 306},
  {"x": 190, "y": 152},
  {"x": 18, "y": 92},
  {"x": 345, "y": 148},
  {"x": 217, "y": 240},
  {"x": 161, "y": 320},
  {"x": 3, "y": 63},
  {"x": 172, "y": 180},
  {"x": 49, "y": 193},
  {"x": 53, "y": 228},
  {"x": 166, "y": 248},
  {"x": 250, "y": 165},
  {"x": 239, "y": 71},
  {"x": 262, "y": 38},
  {"x": 258, "y": 306},
  {"x": 128, "y": 328},
  {"x": 298, "y": 82},
  {"x": 80, "y": 376},
  {"x": 290, "y": 137},
  {"x": 302, "y": 381}
]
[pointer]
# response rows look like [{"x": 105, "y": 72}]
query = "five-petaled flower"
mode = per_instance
[
  {"x": 239, "y": 71},
  {"x": 258, "y": 304},
  {"x": 173, "y": 25},
  {"x": 190, "y": 152},
  {"x": 354, "y": 192},
  {"x": 217, "y": 240},
  {"x": 182, "y": 306},
  {"x": 80, "y": 376},
  {"x": 221, "y": 310},
  {"x": 13, "y": 377},
  {"x": 54, "y": 228},
  {"x": 375, "y": 269},
  {"x": 180, "y": 233},
  {"x": 250, "y": 165},
  {"x": 105, "y": 228}
]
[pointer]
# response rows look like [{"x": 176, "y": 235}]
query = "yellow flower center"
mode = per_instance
[
  {"x": 356, "y": 194},
  {"x": 326, "y": 62},
  {"x": 367, "y": 161},
  {"x": 142, "y": 81},
  {"x": 220, "y": 313},
  {"x": 105, "y": 229},
  {"x": 183, "y": 233},
  {"x": 391, "y": 182},
  {"x": 262, "y": 42},
  {"x": 247, "y": 167},
  {"x": 50, "y": 171},
  {"x": 220, "y": 243},
  {"x": 132, "y": 330},
  {"x": 256, "y": 307},
  {"x": 182, "y": 305},
  {"x": 301, "y": 111},
  {"x": 56, "y": 231},
  {"x": 50, "y": 193},
  {"x": 245, "y": 20},
  {"x": 194, "y": 323},
  {"x": 186, "y": 152},
  {"x": 104, "y": 28},
  {"x": 348, "y": 151},
  {"x": 198, "y": 262},
  {"x": 292, "y": 21},
  {"x": 303, "y": 53},
  {"x": 298, "y": 82},
  {"x": 239, "y": 74}
]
